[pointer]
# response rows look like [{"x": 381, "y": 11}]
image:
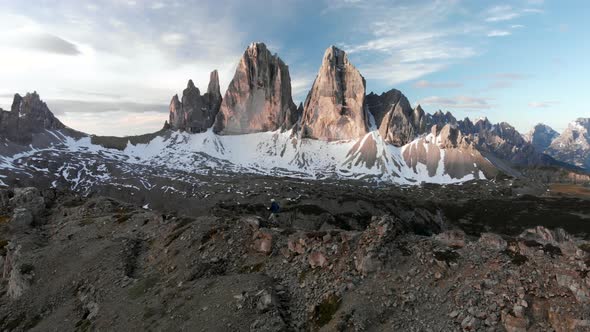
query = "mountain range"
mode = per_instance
[{"x": 255, "y": 127}]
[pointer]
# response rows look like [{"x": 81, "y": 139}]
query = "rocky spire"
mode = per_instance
[
  {"x": 334, "y": 108},
  {"x": 28, "y": 115},
  {"x": 398, "y": 124},
  {"x": 196, "y": 113},
  {"x": 259, "y": 96}
]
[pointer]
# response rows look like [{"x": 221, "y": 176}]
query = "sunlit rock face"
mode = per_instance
[
  {"x": 335, "y": 106},
  {"x": 196, "y": 113},
  {"x": 259, "y": 96}
]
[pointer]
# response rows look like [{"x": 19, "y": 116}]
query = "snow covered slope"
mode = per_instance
[{"x": 79, "y": 164}]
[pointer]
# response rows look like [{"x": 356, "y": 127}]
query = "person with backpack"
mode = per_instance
[{"x": 274, "y": 211}]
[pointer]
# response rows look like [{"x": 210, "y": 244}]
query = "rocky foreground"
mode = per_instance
[{"x": 95, "y": 263}]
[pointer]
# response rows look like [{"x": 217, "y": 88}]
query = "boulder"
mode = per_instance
[
  {"x": 263, "y": 242},
  {"x": 492, "y": 241},
  {"x": 317, "y": 259},
  {"x": 514, "y": 324},
  {"x": 335, "y": 106},
  {"x": 20, "y": 275},
  {"x": 545, "y": 235},
  {"x": 453, "y": 238},
  {"x": 28, "y": 198},
  {"x": 259, "y": 96},
  {"x": 22, "y": 219}
]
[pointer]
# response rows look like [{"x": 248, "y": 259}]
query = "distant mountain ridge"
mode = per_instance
[
  {"x": 573, "y": 145},
  {"x": 339, "y": 132}
]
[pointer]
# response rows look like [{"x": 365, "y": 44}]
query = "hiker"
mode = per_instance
[{"x": 274, "y": 210}]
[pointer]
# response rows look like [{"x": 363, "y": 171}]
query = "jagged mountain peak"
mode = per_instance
[
  {"x": 334, "y": 108},
  {"x": 573, "y": 145},
  {"x": 259, "y": 96},
  {"x": 541, "y": 136},
  {"x": 195, "y": 112}
]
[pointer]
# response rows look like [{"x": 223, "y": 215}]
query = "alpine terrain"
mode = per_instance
[{"x": 384, "y": 216}]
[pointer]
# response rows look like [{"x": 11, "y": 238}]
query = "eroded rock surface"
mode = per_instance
[
  {"x": 398, "y": 123},
  {"x": 28, "y": 115},
  {"x": 259, "y": 96},
  {"x": 196, "y": 113},
  {"x": 335, "y": 106}
]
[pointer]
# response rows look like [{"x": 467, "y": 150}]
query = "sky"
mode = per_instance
[{"x": 110, "y": 67}]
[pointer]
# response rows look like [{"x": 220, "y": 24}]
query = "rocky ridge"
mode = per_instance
[
  {"x": 541, "y": 136},
  {"x": 259, "y": 96},
  {"x": 335, "y": 106},
  {"x": 398, "y": 123},
  {"x": 196, "y": 113},
  {"x": 28, "y": 115},
  {"x": 573, "y": 145}
]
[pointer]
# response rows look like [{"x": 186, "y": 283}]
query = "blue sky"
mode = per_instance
[{"x": 111, "y": 66}]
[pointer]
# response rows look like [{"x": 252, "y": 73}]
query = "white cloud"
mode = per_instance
[
  {"x": 113, "y": 55},
  {"x": 499, "y": 33},
  {"x": 501, "y": 13},
  {"x": 458, "y": 102},
  {"x": 173, "y": 39},
  {"x": 397, "y": 50},
  {"x": 517, "y": 26},
  {"x": 543, "y": 104},
  {"x": 157, "y": 5}
]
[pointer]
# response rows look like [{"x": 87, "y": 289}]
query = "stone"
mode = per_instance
[
  {"x": 335, "y": 106},
  {"x": 514, "y": 324},
  {"x": 469, "y": 323},
  {"x": 266, "y": 300},
  {"x": 317, "y": 259},
  {"x": 580, "y": 291},
  {"x": 259, "y": 96},
  {"x": 263, "y": 242},
  {"x": 453, "y": 238},
  {"x": 545, "y": 235},
  {"x": 492, "y": 241},
  {"x": 295, "y": 245},
  {"x": 28, "y": 198},
  {"x": 196, "y": 113},
  {"x": 22, "y": 219},
  {"x": 20, "y": 275}
]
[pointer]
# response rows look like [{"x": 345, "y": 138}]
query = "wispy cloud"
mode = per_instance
[
  {"x": 427, "y": 84},
  {"x": 505, "y": 80},
  {"x": 458, "y": 102},
  {"x": 499, "y": 33},
  {"x": 501, "y": 13},
  {"x": 396, "y": 50},
  {"x": 543, "y": 104}
]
